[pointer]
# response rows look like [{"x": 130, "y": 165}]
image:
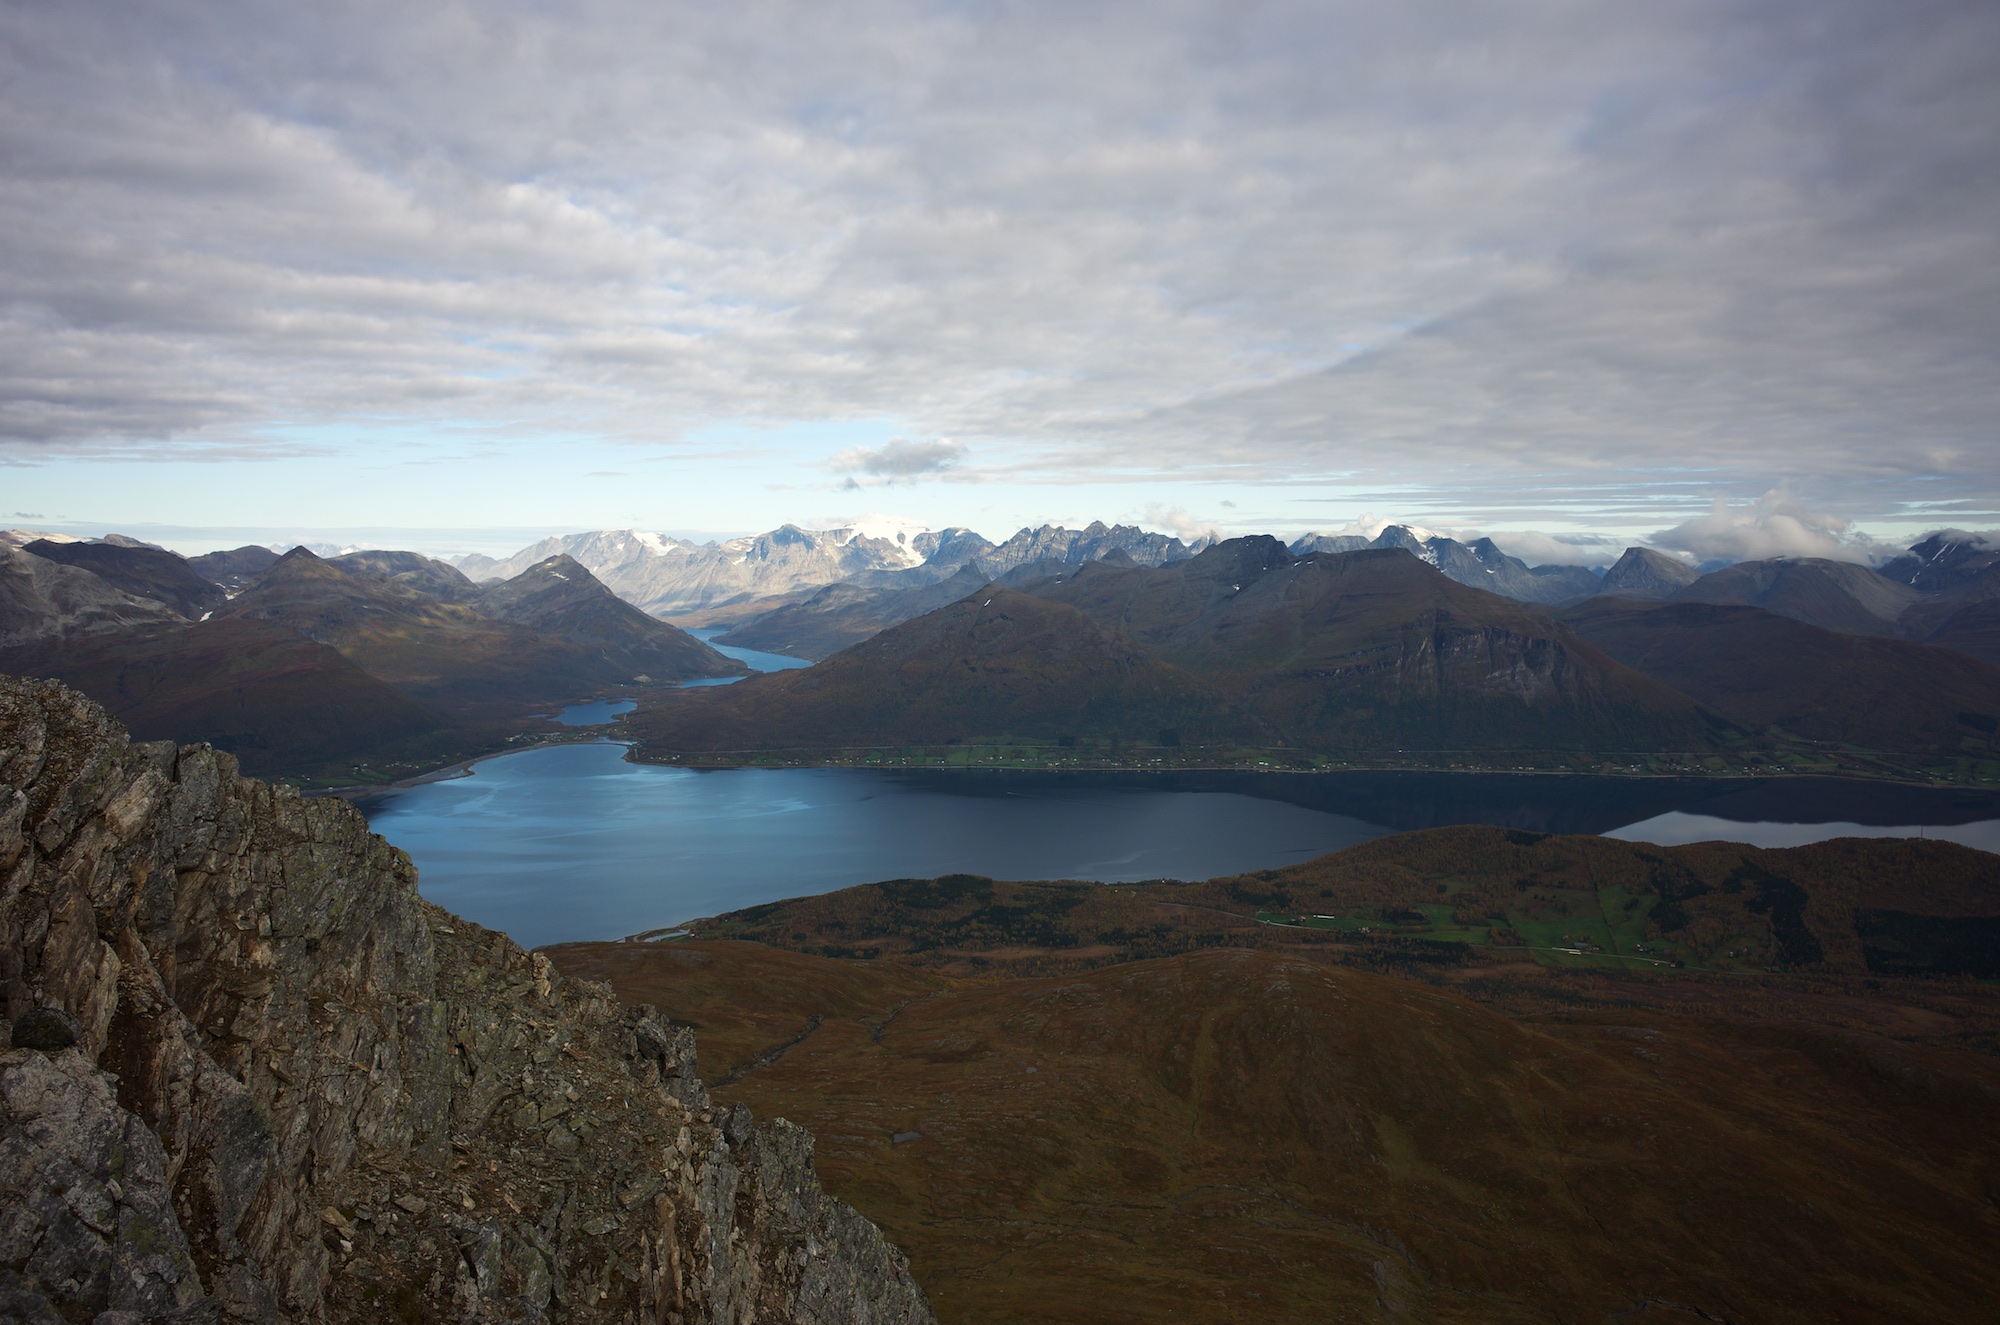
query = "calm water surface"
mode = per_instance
[
  {"x": 596, "y": 713},
  {"x": 571, "y": 842},
  {"x": 754, "y": 658}
]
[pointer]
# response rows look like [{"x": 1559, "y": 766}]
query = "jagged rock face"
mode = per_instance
[
  {"x": 299, "y": 1093},
  {"x": 1075, "y": 546},
  {"x": 1477, "y": 565},
  {"x": 664, "y": 576},
  {"x": 1944, "y": 561}
]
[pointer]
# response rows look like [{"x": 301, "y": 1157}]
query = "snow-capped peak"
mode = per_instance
[
  {"x": 659, "y": 543},
  {"x": 895, "y": 529},
  {"x": 1370, "y": 526}
]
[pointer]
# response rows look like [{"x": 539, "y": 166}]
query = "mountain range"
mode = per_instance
[
  {"x": 1249, "y": 647},
  {"x": 673, "y": 578},
  {"x": 373, "y": 658},
  {"x": 1105, "y": 640},
  {"x": 1952, "y": 606},
  {"x": 1245, "y": 644}
]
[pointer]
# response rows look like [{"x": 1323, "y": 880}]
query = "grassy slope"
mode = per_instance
[
  {"x": 1713, "y": 905},
  {"x": 1252, "y": 1133},
  {"x": 994, "y": 668}
]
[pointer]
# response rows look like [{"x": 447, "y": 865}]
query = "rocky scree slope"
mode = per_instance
[{"x": 255, "y": 1077}]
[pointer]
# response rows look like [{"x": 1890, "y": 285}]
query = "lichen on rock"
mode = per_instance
[{"x": 260, "y": 1079}]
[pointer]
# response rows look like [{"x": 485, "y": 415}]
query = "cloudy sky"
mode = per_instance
[{"x": 1724, "y": 276}]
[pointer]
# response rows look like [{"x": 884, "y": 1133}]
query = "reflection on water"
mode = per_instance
[{"x": 571, "y": 842}]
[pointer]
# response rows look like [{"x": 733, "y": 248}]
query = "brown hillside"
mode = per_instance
[
  {"x": 995, "y": 667},
  {"x": 444, "y": 655},
  {"x": 1241, "y": 1135},
  {"x": 279, "y": 703},
  {"x": 560, "y": 598},
  {"x": 1375, "y": 648}
]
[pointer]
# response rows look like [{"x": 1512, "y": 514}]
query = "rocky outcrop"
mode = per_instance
[{"x": 287, "y": 1089}]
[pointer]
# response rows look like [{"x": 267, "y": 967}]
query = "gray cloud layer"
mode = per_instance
[
  {"x": 900, "y": 458},
  {"x": 1524, "y": 255}
]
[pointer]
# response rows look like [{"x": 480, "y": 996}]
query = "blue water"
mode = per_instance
[
  {"x": 572, "y": 842},
  {"x": 596, "y": 713},
  {"x": 1678, "y": 828},
  {"x": 757, "y": 659}
]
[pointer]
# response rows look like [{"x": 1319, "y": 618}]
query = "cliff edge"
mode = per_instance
[{"x": 255, "y": 1077}]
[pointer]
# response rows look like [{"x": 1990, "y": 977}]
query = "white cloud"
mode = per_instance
[
  {"x": 1775, "y": 525},
  {"x": 1180, "y": 523},
  {"x": 1539, "y": 549}
]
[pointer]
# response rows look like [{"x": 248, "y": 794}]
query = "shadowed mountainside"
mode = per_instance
[
  {"x": 275, "y": 700},
  {"x": 1641, "y": 572},
  {"x": 343, "y": 670},
  {"x": 40, "y": 599},
  {"x": 1833, "y": 595},
  {"x": 144, "y": 572},
  {"x": 1765, "y": 670},
  {"x": 1479, "y": 564},
  {"x": 847, "y": 613},
  {"x": 447, "y": 656},
  {"x": 237, "y": 568},
  {"x": 432, "y": 578}
]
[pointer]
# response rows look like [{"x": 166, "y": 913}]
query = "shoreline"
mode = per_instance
[
  {"x": 634, "y": 754},
  {"x": 355, "y": 795}
]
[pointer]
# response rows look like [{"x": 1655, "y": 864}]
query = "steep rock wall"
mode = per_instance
[{"x": 297, "y": 1092}]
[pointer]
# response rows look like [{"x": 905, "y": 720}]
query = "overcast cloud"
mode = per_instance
[{"x": 1532, "y": 258}]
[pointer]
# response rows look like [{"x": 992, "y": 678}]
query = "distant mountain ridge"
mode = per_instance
[
  {"x": 1479, "y": 564},
  {"x": 671, "y": 577}
]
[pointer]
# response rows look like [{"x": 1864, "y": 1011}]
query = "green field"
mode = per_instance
[{"x": 1604, "y": 928}]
